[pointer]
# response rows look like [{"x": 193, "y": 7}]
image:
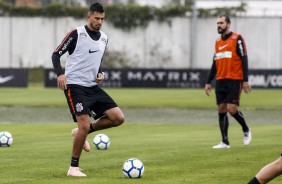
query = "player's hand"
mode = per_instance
[
  {"x": 246, "y": 87},
  {"x": 208, "y": 88},
  {"x": 62, "y": 82},
  {"x": 100, "y": 77}
]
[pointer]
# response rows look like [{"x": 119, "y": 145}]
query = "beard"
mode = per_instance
[
  {"x": 221, "y": 30},
  {"x": 95, "y": 28}
]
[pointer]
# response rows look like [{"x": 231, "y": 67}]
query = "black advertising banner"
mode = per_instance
[
  {"x": 154, "y": 78},
  {"x": 11, "y": 77},
  {"x": 151, "y": 78},
  {"x": 171, "y": 78},
  {"x": 265, "y": 78}
]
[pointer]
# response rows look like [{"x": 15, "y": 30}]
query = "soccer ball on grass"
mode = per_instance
[
  {"x": 101, "y": 141},
  {"x": 6, "y": 138},
  {"x": 133, "y": 168}
]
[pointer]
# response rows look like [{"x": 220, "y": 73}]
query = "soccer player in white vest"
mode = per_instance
[{"x": 86, "y": 46}]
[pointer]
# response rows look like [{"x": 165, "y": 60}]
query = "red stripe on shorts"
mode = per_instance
[{"x": 70, "y": 100}]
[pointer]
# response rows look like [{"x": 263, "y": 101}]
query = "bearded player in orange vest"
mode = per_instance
[{"x": 230, "y": 68}]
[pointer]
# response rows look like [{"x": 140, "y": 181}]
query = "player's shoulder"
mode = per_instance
[
  {"x": 104, "y": 37},
  {"x": 71, "y": 33},
  {"x": 80, "y": 29},
  {"x": 103, "y": 34},
  {"x": 235, "y": 35},
  {"x": 218, "y": 39}
]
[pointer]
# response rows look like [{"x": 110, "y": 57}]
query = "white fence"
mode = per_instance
[{"x": 29, "y": 42}]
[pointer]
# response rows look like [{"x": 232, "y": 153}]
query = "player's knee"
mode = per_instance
[
  {"x": 232, "y": 110},
  {"x": 86, "y": 127},
  {"x": 222, "y": 108},
  {"x": 119, "y": 120},
  {"x": 83, "y": 123}
]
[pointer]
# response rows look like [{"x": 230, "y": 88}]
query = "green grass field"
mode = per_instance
[
  {"x": 171, "y": 152},
  {"x": 141, "y": 98}
]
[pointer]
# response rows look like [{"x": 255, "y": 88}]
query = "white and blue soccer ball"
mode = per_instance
[
  {"x": 133, "y": 168},
  {"x": 6, "y": 139},
  {"x": 101, "y": 141}
]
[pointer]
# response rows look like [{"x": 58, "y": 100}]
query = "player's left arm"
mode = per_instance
[
  {"x": 211, "y": 76},
  {"x": 242, "y": 53}
]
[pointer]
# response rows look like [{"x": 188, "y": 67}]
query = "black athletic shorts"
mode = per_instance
[
  {"x": 88, "y": 100},
  {"x": 228, "y": 91}
]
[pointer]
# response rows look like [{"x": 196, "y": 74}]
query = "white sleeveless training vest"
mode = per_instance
[{"x": 83, "y": 64}]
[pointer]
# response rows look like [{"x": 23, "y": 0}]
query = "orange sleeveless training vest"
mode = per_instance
[{"x": 228, "y": 63}]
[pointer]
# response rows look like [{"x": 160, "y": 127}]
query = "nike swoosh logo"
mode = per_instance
[
  {"x": 222, "y": 47},
  {"x": 5, "y": 79},
  {"x": 92, "y": 51}
]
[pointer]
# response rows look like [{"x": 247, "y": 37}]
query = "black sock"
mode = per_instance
[
  {"x": 223, "y": 124},
  {"x": 254, "y": 181},
  {"x": 74, "y": 162},
  {"x": 91, "y": 129},
  {"x": 241, "y": 120}
]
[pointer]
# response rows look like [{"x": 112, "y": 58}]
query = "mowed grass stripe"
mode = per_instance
[{"x": 141, "y": 98}]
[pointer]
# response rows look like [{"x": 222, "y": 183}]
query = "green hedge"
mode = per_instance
[{"x": 121, "y": 16}]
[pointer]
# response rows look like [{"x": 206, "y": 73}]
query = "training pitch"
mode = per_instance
[{"x": 173, "y": 150}]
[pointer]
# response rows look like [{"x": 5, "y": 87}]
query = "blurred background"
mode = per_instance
[{"x": 164, "y": 43}]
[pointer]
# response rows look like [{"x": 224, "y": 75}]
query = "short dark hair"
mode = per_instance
[
  {"x": 96, "y": 7},
  {"x": 227, "y": 18}
]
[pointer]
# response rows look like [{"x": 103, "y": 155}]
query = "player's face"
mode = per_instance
[
  {"x": 95, "y": 20},
  {"x": 222, "y": 25}
]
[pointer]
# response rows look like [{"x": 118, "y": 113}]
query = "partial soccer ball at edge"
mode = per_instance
[
  {"x": 101, "y": 141},
  {"x": 6, "y": 139},
  {"x": 133, "y": 168}
]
